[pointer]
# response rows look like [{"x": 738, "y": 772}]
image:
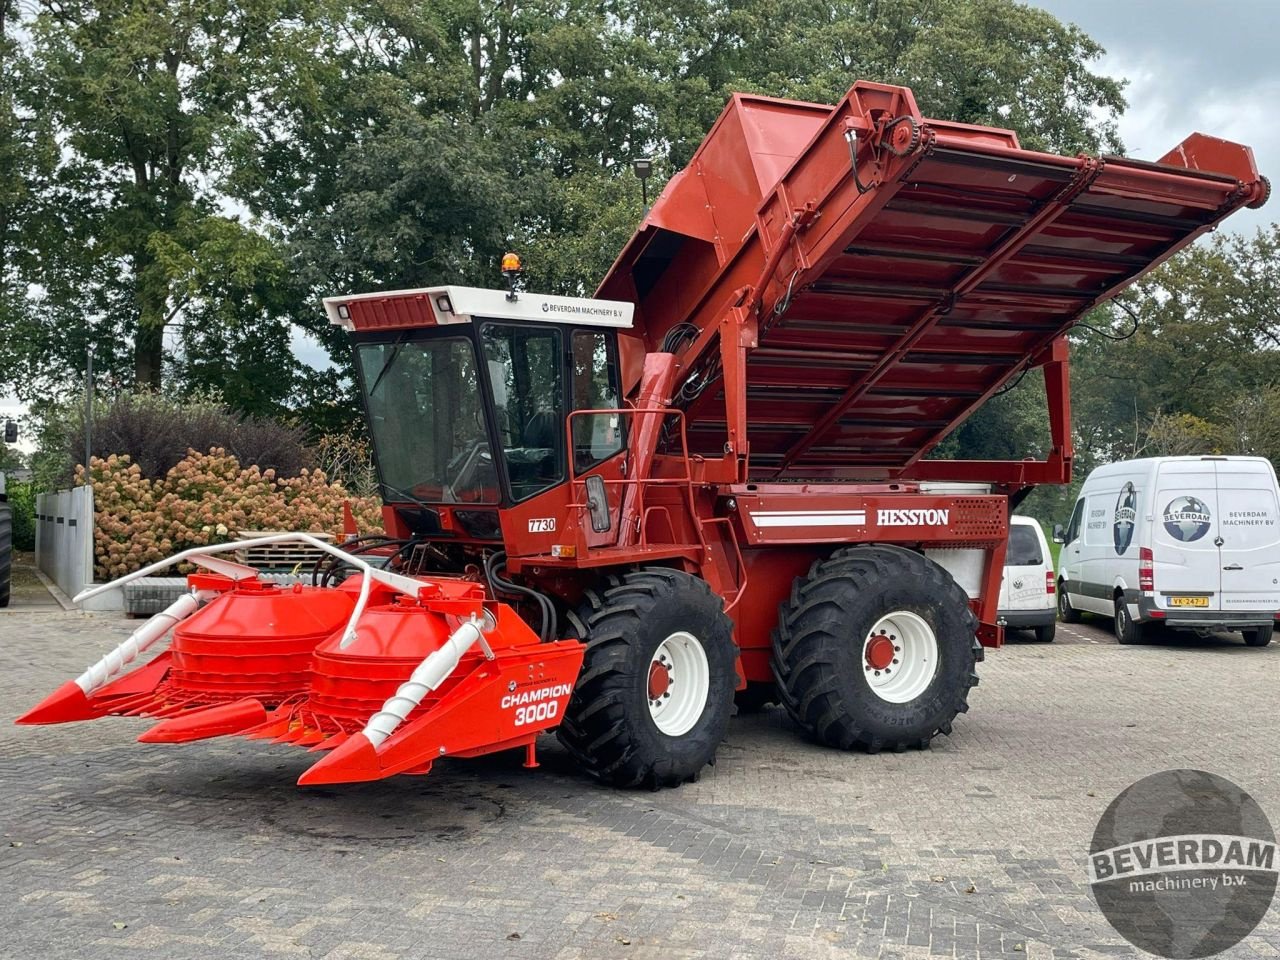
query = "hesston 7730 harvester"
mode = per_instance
[{"x": 608, "y": 515}]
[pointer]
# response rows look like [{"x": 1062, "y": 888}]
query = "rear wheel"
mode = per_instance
[
  {"x": 6, "y": 552},
  {"x": 1066, "y": 612},
  {"x": 656, "y": 690},
  {"x": 1257, "y": 637},
  {"x": 875, "y": 649},
  {"x": 1046, "y": 633},
  {"x": 1127, "y": 630}
]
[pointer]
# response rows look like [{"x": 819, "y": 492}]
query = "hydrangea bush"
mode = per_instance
[{"x": 206, "y": 498}]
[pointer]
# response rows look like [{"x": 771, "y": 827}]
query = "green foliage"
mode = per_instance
[
  {"x": 22, "y": 505},
  {"x": 417, "y": 142},
  {"x": 126, "y": 232},
  {"x": 156, "y": 432},
  {"x": 11, "y": 458}
]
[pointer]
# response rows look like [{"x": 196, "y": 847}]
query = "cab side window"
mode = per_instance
[{"x": 1077, "y": 516}]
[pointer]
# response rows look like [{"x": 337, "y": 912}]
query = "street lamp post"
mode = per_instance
[
  {"x": 88, "y": 409},
  {"x": 643, "y": 167}
]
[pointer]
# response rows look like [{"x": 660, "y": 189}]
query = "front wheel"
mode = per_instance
[
  {"x": 656, "y": 690},
  {"x": 875, "y": 649},
  {"x": 1066, "y": 612}
]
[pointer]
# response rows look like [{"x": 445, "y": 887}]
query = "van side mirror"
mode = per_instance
[{"x": 1059, "y": 535}]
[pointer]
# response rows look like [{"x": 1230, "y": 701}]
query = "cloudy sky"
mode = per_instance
[{"x": 1191, "y": 65}]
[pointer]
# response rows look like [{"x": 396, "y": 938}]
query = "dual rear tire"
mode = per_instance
[{"x": 875, "y": 649}]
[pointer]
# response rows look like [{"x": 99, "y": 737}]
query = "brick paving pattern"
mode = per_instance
[{"x": 113, "y": 849}]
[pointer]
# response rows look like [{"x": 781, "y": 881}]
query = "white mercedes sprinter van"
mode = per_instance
[{"x": 1191, "y": 542}]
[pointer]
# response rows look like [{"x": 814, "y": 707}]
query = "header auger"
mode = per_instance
[{"x": 610, "y": 516}]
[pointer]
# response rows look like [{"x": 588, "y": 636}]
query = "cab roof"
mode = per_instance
[{"x": 440, "y": 306}]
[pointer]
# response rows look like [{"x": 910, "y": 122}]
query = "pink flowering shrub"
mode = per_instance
[{"x": 206, "y": 498}]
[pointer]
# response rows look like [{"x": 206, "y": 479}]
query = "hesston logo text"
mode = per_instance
[{"x": 913, "y": 518}]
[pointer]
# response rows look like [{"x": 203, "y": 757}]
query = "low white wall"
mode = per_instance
[{"x": 64, "y": 543}]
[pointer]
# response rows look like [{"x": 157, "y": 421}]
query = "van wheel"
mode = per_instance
[
  {"x": 875, "y": 649},
  {"x": 1257, "y": 637},
  {"x": 1046, "y": 633},
  {"x": 1126, "y": 630},
  {"x": 652, "y": 702},
  {"x": 1066, "y": 612}
]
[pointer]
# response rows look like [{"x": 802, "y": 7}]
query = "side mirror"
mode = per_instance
[
  {"x": 10, "y": 431},
  {"x": 598, "y": 504},
  {"x": 1059, "y": 535}
]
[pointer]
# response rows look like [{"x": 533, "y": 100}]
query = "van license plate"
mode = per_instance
[{"x": 1188, "y": 601}]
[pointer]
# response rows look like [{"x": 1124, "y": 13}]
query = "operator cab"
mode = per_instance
[{"x": 467, "y": 391}]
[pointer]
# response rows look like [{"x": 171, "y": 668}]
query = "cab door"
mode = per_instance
[{"x": 1071, "y": 557}]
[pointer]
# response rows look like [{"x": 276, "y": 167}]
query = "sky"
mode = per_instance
[{"x": 1192, "y": 65}]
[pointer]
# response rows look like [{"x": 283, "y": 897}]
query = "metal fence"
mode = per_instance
[{"x": 64, "y": 538}]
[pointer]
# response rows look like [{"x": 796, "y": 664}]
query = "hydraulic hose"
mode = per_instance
[{"x": 498, "y": 561}]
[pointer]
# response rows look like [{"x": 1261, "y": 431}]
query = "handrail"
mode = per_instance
[
  {"x": 640, "y": 483},
  {"x": 200, "y": 557}
]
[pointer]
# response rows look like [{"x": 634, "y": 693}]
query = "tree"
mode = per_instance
[
  {"x": 416, "y": 142},
  {"x": 223, "y": 165},
  {"x": 143, "y": 97}
]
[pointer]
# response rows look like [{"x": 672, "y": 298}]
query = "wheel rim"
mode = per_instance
[
  {"x": 900, "y": 656},
  {"x": 1064, "y": 605},
  {"x": 678, "y": 683}
]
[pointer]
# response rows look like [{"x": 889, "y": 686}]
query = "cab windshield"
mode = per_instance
[
  {"x": 426, "y": 415},
  {"x": 431, "y": 406}
]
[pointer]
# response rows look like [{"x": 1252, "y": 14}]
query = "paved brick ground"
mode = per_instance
[{"x": 114, "y": 849}]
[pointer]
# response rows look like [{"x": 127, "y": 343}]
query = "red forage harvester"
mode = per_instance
[{"x": 613, "y": 516}]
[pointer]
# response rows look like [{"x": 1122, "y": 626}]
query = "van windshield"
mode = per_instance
[{"x": 1024, "y": 547}]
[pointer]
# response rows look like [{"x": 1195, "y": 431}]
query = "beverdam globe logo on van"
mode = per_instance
[
  {"x": 1187, "y": 518},
  {"x": 1126, "y": 515}
]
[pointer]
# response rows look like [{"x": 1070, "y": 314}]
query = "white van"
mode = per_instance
[
  {"x": 1027, "y": 587},
  {"x": 1190, "y": 542}
]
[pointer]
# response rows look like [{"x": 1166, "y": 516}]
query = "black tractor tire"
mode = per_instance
[
  {"x": 755, "y": 697},
  {"x": 818, "y": 649},
  {"x": 6, "y": 553},
  {"x": 1126, "y": 630},
  {"x": 608, "y": 725},
  {"x": 1046, "y": 633},
  {"x": 1066, "y": 612},
  {"x": 1257, "y": 637}
]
